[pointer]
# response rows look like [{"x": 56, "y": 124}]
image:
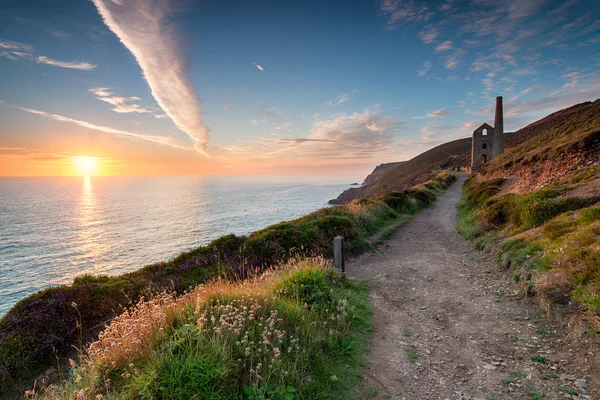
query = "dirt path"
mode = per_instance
[{"x": 450, "y": 325}]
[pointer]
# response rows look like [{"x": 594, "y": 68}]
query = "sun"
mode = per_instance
[{"x": 86, "y": 165}]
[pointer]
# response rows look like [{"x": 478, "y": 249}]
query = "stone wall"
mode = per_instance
[{"x": 482, "y": 147}]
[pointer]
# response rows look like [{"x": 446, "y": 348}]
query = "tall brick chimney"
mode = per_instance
[{"x": 498, "y": 146}]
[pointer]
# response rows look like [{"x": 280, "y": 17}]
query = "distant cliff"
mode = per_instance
[
  {"x": 379, "y": 170},
  {"x": 404, "y": 174}
]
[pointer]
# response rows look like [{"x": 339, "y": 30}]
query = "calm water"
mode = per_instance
[{"x": 53, "y": 229}]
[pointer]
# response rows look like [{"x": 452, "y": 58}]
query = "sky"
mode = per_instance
[{"x": 214, "y": 87}]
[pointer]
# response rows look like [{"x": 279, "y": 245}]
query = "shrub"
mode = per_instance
[{"x": 479, "y": 192}]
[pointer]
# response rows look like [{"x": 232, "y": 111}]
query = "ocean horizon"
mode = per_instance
[{"x": 56, "y": 228}]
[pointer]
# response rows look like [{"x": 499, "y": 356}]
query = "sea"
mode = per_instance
[{"x": 53, "y": 229}]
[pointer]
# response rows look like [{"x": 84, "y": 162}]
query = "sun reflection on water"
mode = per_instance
[{"x": 90, "y": 229}]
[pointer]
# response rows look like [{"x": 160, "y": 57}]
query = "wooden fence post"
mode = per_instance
[{"x": 338, "y": 253}]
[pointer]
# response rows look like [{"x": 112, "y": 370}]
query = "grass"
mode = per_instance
[
  {"x": 548, "y": 239},
  {"x": 413, "y": 354},
  {"x": 45, "y": 326},
  {"x": 295, "y": 332},
  {"x": 538, "y": 359}
]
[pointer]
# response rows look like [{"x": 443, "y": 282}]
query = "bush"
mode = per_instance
[{"x": 478, "y": 192}]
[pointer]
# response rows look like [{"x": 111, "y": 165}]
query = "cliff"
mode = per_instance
[
  {"x": 380, "y": 170},
  {"x": 402, "y": 175}
]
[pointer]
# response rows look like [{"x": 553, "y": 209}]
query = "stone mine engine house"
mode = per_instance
[{"x": 488, "y": 141}]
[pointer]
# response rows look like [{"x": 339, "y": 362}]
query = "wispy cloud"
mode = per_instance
[
  {"x": 442, "y": 112},
  {"x": 20, "y": 51},
  {"x": 58, "y": 33},
  {"x": 342, "y": 98},
  {"x": 399, "y": 11},
  {"x": 144, "y": 28},
  {"x": 444, "y": 46},
  {"x": 361, "y": 135},
  {"x": 431, "y": 131},
  {"x": 122, "y": 104},
  {"x": 85, "y": 66},
  {"x": 11, "y": 45},
  {"x": 163, "y": 140},
  {"x": 429, "y": 36},
  {"x": 425, "y": 67},
  {"x": 259, "y": 67}
]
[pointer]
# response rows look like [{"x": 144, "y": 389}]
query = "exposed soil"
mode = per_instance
[{"x": 451, "y": 325}]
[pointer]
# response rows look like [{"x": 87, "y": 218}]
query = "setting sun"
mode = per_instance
[{"x": 86, "y": 165}]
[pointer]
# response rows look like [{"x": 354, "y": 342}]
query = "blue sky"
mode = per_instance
[{"x": 265, "y": 87}]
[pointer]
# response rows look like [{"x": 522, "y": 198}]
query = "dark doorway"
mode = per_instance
[{"x": 483, "y": 159}]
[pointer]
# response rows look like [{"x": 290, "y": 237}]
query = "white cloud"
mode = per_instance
[
  {"x": 85, "y": 66},
  {"x": 444, "y": 46},
  {"x": 403, "y": 11},
  {"x": 259, "y": 67},
  {"x": 283, "y": 126},
  {"x": 362, "y": 135},
  {"x": 144, "y": 28},
  {"x": 20, "y": 51},
  {"x": 429, "y": 36},
  {"x": 454, "y": 59},
  {"x": 442, "y": 112},
  {"x": 431, "y": 131},
  {"x": 342, "y": 98},
  {"x": 11, "y": 45},
  {"x": 121, "y": 103},
  {"x": 164, "y": 140},
  {"x": 425, "y": 67}
]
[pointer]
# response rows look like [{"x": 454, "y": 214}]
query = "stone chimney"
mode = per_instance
[{"x": 498, "y": 146}]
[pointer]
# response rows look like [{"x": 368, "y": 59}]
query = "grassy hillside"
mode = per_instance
[
  {"x": 537, "y": 206},
  {"x": 398, "y": 176},
  {"x": 297, "y": 332},
  {"x": 46, "y": 327}
]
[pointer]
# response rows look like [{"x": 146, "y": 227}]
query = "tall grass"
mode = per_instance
[{"x": 296, "y": 331}]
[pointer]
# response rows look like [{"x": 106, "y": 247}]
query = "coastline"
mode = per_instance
[{"x": 52, "y": 321}]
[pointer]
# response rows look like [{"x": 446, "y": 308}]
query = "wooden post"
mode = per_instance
[{"x": 338, "y": 253}]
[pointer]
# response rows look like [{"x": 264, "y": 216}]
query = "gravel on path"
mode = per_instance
[{"x": 451, "y": 325}]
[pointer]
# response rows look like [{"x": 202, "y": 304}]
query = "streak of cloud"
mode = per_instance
[
  {"x": 17, "y": 51},
  {"x": 163, "y": 140},
  {"x": 82, "y": 65},
  {"x": 438, "y": 113},
  {"x": 12, "y": 45},
  {"x": 144, "y": 28},
  {"x": 445, "y": 46},
  {"x": 259, "y": 67},
  {"x": 121, "y": 104}
]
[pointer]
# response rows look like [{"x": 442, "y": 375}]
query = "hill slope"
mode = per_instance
[
  {"x": 538, "y": 207},
  {"x": 399, "y": 176},
  {"x": 402, "y": 175}
]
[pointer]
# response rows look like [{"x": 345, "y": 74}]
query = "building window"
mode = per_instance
[
  {"x": 484, "y": 146},
  {"x": 483, "y": 159},
  {"x": 484, "y": 132}
]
